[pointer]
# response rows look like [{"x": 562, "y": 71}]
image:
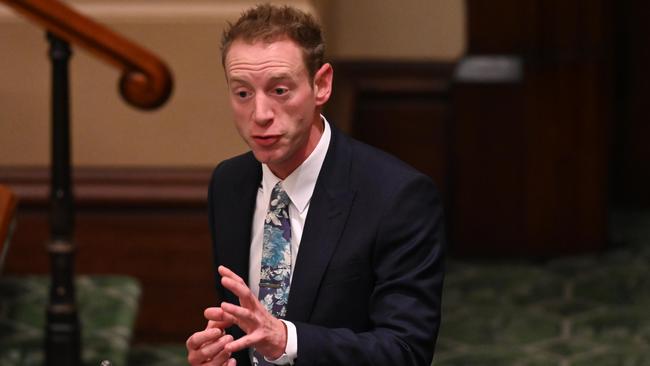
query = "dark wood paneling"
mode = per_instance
[
  {"x": 523, "y": 160},
  {"x": 488, "y": 197},
  {"x": 497, "y": 27},
  {"x": 147, "y": 223},
  {"x": 112, "y": 186},
  {"x": 632, "y": 159},
  {"x": 412, "y": 127},
  {"x": 535, "y": 180},
  {"x": 401, "y": 108}
]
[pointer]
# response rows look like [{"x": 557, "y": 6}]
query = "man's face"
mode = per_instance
[{"x": 275, "y": 104}]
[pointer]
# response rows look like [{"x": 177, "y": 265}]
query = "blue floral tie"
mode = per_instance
[{"x": 275, "y": 270}]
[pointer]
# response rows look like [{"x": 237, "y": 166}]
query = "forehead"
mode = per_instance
[{"x": 261, "y": 56}]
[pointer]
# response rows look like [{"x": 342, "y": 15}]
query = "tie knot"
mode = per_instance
[{"x": 279, "y": 197}]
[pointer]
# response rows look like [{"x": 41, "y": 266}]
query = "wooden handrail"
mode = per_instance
[{"x": 146, "y": 81}]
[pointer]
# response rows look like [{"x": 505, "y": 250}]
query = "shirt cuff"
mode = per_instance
[{"x": 291, "y": 350}]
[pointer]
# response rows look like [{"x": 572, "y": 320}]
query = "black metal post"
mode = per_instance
[{"x": 62, "y": 333}]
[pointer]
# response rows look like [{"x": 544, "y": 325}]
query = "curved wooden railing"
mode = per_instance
[{"x": 146, "y": 81}]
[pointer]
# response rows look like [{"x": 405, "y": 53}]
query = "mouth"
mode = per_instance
[{"x": 266, "y": 140}]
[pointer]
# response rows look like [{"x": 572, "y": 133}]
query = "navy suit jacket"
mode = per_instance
[{"x": 367, "y": 283}]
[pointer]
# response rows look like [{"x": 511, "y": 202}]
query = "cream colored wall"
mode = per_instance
[
  {"x": 394, "y": 29},
  {"x": 194, "y": 128}
]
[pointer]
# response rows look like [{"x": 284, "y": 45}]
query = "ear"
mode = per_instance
[{"x": 323, "y": 84}]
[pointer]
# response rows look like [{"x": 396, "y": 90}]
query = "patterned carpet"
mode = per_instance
[
  {"x": 589, "y": 310},
  {"x": 108, "y": 308}
]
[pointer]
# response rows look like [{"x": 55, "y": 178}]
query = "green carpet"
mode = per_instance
[
  {"x": 587, "y": 310},
  {"x": 108, "y": 306}
]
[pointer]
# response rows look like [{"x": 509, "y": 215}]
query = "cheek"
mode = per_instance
[
  {"x": 240, "y": 113},
  {"x": 241, "y": 130},
  {"x": 240, "y": 119},
  {"x": 298, "y": 110},
  {"x": 238, "y": 109}
]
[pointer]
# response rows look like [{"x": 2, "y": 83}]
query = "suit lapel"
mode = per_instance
[
  {"x": 328, "y": 212},
  {"x": 243, "y": 206}
]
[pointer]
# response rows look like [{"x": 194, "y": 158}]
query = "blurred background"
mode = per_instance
[{"x": 529, "y": 115}]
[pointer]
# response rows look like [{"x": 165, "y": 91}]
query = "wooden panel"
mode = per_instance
[
  {"x": 542, "y": 152},
  {"x": 411, "y": 127},
  {"x": 93, "y": 186},
  {"x": 497, "y": 27},
  {"x": 632, "y": 158},
  {"x": 401, "y": 108},
  {"x": 524, "y": 160},
  {"x": 488, "y": 197},
  {"x": 568, "y": 114}
]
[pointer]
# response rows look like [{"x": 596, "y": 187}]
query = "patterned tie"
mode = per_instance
[{"x": 275, "y": 270}]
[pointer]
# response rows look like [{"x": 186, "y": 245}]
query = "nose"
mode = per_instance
[{"x": 263, "y": 112}]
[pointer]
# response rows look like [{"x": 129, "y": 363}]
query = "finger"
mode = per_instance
[
  {"x": 196, "y": 340},
  {"x": 238, "y": 312},
  {"x": 240, "y": 290},
  {"x": 213, "y": 314},
  {"x": 226, "y": 272},
  {"x": 213, "y": 311},
  {"x": 230, "y": 362},
  {"x": 228, "y": 318},
  {"x": 212, "y": 324},
  {"x": 216, "y": 318},
  {"x": 244, "y": 342},
  {"x": 242, "y": 322},
  {"x": 217, "y": 360},
  {"x": 211, "y": 353}
]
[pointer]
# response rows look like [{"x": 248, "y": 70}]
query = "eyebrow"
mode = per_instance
[
  {"x": 236, "y": 80},
  {"x": 273, "y": 79},
  {"x": 282, "y": 76}
]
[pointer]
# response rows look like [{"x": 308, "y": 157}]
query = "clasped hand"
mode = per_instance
[{"x": 264, "y": 332}]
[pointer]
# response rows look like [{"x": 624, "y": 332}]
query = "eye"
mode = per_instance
[
  {"x": 242, "y": 94},
  {"x": 280, "y": 91}
]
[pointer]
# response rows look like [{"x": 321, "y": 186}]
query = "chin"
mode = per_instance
[{"x": 263, "y": 157}]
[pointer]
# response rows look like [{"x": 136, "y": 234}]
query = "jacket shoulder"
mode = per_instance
[
  {"x": 233, "y": 169},
  {"x": 372, "y": 163}
]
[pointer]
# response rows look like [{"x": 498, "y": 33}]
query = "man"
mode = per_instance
[{"x": 328, "y": 251}]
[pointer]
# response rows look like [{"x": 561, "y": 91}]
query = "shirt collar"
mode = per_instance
[{"x": 300, "y": 184}]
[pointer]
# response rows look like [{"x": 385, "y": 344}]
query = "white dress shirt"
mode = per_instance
[{"x": 299, "y": 186}]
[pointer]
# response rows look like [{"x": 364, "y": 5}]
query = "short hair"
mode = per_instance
[{"x": 269, "y": 23}]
